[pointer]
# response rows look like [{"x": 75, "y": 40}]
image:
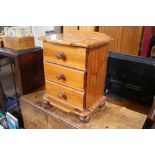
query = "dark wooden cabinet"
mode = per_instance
[{"x": 29, "y": 72}]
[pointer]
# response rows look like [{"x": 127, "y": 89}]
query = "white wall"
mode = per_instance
[{"x": 40, "y": 31}]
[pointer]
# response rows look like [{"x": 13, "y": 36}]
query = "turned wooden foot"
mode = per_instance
[
  {"x": 102, "y": 104},
  {"x": 84, "y": 119},
  {"x": 46, "y": 102}
]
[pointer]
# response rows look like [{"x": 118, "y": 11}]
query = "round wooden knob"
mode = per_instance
[
  {"x": 62, "y": 95},
  {"x": 60, "y": 55},
  {"x": 60, "y": 76}
]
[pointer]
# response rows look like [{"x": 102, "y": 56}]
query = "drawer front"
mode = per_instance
[
  {"x": 65, "y": 55},
  {"x": 69, "y": 95},
  {"x": 64, "y": 75}
]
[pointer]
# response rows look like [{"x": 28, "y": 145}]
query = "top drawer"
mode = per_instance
[{"x": 65, "y": 55}]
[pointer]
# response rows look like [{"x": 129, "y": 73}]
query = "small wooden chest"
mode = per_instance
[
  {"x": 19, "y": 43},
  {"x": 75, "y": 68}
]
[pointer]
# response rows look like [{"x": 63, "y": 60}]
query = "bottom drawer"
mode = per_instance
[{"x": 71, "y": 96}]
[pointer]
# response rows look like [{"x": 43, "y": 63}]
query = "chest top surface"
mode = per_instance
[{"x": 78, "y": 38}]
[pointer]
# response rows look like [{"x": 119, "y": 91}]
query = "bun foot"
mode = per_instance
[
  {"x": 84, "y": 119},
  {"x": 101, "y": 105},
  {"x": 46, "y": 102}
]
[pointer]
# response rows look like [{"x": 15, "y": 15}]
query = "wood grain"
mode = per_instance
[
  {"x": 130, "y": 40},
  {"x": 33, "y": 118},
  {"x": 72, "y": 77},
  {"x": 67, "y": 29},
  {"x": 75, "y": 56},
  {"x": 114, "y": 32},
  {"x": 29, "y": 71},
  {"x": 64, "y": 54},
  {"x": 132, "y": 105},
  {"x": 37, "y": 119},
  {"x": 78, "y": 38},
  {"x": 88, "y": 28},
  {"x": 19, "y": 43},
  {"x": 111, "y": 116},
  {"x": 126, "y": 39},
  {"x": 73, "y": 97},
  {"x": 57, "y": 124},
  {"x": 96, "y": 72}
]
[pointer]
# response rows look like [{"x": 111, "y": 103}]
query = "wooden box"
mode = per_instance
[
  {"x": 75, "y": 69},
  {"x": 19, "y": 43}
]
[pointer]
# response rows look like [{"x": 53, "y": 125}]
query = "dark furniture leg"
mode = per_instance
[{"x": 2, "y": 101}]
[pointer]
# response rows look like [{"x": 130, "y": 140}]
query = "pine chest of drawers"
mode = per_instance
[{"x": 75, "y": 68}]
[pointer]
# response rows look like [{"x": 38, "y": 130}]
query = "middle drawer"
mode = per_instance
[{"x": 65, "y": 75}]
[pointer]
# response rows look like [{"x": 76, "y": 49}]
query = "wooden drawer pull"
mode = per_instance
[
  {"x": 62, "y": 96},
  {"x": 61, "y": 55},
  {"x": 60, "y": 76}
]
